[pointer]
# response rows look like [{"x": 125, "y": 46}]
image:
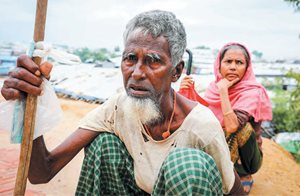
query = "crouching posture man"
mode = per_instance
[{"x": 147, "y": 140}]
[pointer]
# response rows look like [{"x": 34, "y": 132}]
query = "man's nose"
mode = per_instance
[{"x": 138, "y": 71}]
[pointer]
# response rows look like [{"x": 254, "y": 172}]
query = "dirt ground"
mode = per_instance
[{"x": 279, "y": 175}]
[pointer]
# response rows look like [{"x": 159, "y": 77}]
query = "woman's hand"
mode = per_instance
[
  {"x": 186, "y": 82},
  {"x": 225, "y": 84},
  {"x": 26, "y": 77}
]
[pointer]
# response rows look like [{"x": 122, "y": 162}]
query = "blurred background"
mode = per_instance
[{"x": 92, "y": 32}]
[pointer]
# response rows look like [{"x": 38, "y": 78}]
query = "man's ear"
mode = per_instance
[{"x": 177, "y": 71}]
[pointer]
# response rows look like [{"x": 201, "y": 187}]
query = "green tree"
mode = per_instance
[
  {"x": 294, "y": 3},
  {"x": 286, "y": 107},
  {"x": 257, "y": 54},
  {"x": 83, "y": 53},
  {"x": 295, "y": 99},
  {"x": 99, "y": 54},
  {"x": 203, "y": 47}
]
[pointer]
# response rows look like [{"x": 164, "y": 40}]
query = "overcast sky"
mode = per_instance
[{"x": 270, "y": 26}]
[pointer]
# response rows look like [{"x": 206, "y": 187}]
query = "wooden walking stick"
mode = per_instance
[{"x": 31, "y": 104}]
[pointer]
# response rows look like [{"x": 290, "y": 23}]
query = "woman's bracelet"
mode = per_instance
[{"x": 227, "y": 113}]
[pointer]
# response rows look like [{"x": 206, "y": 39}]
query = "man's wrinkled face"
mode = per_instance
[{"x": 146, "y": 67}]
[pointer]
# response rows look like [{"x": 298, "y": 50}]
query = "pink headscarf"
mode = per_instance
[{"x": 247, "y": 95}]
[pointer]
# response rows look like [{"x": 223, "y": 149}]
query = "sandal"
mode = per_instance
[{"x": 247, "y": 184}]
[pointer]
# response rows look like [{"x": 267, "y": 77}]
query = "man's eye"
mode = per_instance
[
  {"x": 132, "y": 57},
  {"x": 156, "y": 60},
  {"x": 152, "y": 59}
]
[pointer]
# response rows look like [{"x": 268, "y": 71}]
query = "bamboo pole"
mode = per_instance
[{"x": 31, "y": 104}]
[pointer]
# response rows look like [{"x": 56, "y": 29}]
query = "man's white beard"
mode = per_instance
[{"x": 143, "y": 109}]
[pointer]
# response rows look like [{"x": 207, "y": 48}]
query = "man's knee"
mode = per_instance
[
  {"x": 106, "y": 146},
  {"x": 191, "y": 164},
  {"x": 190, "y": 156},
  {"x": 191, "y": 170},
  {"x": 107, "y": 140}
]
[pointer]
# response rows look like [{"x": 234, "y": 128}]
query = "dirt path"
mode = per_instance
[{"x": 279, "y": 175}]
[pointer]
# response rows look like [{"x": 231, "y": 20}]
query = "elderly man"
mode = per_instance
[{"x": 148, "y": 139}]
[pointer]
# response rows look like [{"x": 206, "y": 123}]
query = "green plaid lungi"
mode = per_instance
[{"x": 108, "y": 170}]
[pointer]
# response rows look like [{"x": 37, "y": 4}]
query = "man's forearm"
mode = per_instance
[{"x": 45, "y": 165}]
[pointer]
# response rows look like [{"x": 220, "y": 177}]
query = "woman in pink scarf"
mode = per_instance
[{"x": 240, "y": 103}]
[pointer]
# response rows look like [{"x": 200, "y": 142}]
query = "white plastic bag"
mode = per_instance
[
  {"x": 48, "y": 114},
  {"x": 6, "y": 115}
]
